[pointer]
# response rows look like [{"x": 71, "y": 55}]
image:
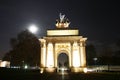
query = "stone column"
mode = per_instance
[
  {"x": 55, "y": 55},
  {"x": 70, "y": 55},
  {"x": 43, "y": 53},
  {"x": 76, "y": 55},
  {"x": 50, "y": 56},
  {"x": 83, "y": 53}
]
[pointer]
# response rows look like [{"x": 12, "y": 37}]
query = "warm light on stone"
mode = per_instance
[
  {"x": 85, "y": 70},
  {"x": 65, "y": 41},
  {"x": 62, "y": 32},
  {"x": 50, "y": 59},
  {"x": 76, "y": 56},
  {"x": 43, "y": 53}
]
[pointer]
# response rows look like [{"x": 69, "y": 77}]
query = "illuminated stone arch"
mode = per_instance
[{"x": 64, "y": 40}]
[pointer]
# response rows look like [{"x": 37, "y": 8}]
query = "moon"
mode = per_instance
[{"x": 33, "y": 29}]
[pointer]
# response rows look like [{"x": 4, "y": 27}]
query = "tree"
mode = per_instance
[
  {"x": 25, "y": 47},
  {"x": 13, "y": 42},
  {"x": 118, "y": 43},
  {"x": 90, "y": 53}
]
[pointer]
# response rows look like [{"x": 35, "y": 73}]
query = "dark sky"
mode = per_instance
[{"x": 99, "y": 20}]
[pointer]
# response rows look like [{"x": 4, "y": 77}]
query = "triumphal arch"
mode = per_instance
[{"x": 63, "y": 39}]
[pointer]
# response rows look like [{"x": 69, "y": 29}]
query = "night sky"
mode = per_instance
[{"x": 98, "y": 20}]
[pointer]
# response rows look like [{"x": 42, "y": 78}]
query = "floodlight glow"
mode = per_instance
[
  {"x": 33, "y": 29},
  {"x": 26, "y": 67},
  {"x": 3, "y": 64},
  {"x": 85, "y": 70},
  {"x": 50, "y": 62},
  {"x": 41, "y": 71},
  {"x": 95, "y": 59},
  {"x": 76, "y": 59},
  {"x": 62, "y": 69}
]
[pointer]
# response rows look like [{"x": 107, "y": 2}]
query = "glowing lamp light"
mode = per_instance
[
  {"x": 41, "y": 71},
  {"x": 26, "y": 67},
  {"x": 33, "y": 29},
  {"x": 62, "y": 69},
  {"x": 85, "y": 70}
]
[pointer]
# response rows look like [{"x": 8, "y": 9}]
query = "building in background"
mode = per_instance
[{"x": 5, "y": 64}]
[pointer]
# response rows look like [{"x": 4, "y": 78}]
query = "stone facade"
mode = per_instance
[{"x": 63, "y": 40}]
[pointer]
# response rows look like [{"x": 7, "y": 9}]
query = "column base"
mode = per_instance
[
  {"x": 79, "y": 69},
  {"x": 50, "y": 69}
]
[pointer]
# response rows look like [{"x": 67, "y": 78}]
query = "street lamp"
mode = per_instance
[
  {"x": 22, "y": 63},
  {"x": 26, "y": 66},
  {"x": 95, "y": 60}
]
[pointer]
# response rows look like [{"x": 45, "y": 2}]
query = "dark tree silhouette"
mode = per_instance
[
  {"x": 90, "y": 53},
  {"x": 25, "y": 48},
  {"x": 118, "y": 43},
  {"x": 13, "y": 42}
]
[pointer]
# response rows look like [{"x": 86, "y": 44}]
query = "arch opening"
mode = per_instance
[{"x": 63, "y": 60}]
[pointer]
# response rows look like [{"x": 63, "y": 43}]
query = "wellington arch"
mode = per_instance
[{"x": 63, "y": 39}]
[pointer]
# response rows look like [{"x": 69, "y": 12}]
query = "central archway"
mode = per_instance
[{"x": 63, "y": 60}]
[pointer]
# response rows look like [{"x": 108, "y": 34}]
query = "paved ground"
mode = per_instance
[{"x": 35, "y": 75}]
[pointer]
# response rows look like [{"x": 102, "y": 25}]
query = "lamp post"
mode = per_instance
[
  {"x": 23, "y": 63},
  {"x": 95, "y": 60}
]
